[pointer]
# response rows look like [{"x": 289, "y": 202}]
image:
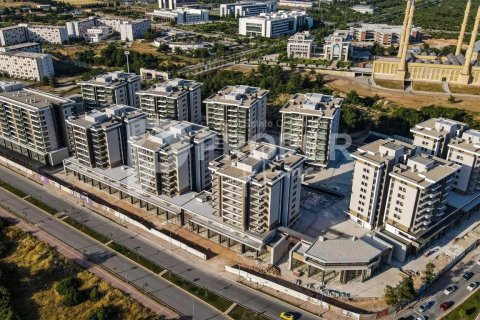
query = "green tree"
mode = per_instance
[
  {"x": 429, "y": 272},
  {"x": 391, "y": 296},
  {"x": 352, "y": 97}
]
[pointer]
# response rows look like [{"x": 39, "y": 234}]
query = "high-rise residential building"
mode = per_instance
[
  {"x": 100, "y": 139},
  {"x": 246, "y": 8},
  {"x": 371, "y": 179},
  {"x": 176, "y": 99},
  {"x": 417, "y": 195},
  {"x": 112, "y": 88},
  {"x": 33, "y": 123},
  {"x": 78, "y": 28},
  {"x": 433, "y": 136},
  {"x": 173, "y": 159},
  {"x": 26, "y": 65},
  {"x": 23, "y": 47},
  {"x": 13, "y": 35},
  {"x": 301, "y": 45},
  {"x": 274, "y": 24},
  {"x": 47, "y": 34},
  {"x": 238, "y": 114},
  {"x": 135, "y": 29},
  {"x": 465, "y": 151},
  {"x": 338, "y": 46},
  {"x": 310, "y": 123},
  {"x": 257, "y": 188}
]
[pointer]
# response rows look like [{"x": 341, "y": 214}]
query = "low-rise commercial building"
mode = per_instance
[
  {"x": 310, "y": 123},
  {"x": 238, "y": 114},
  {"x": 338, "y": 46},
  {"x": 176, "y": 99},
  {"x": 33, "y": 47},
  {"x": 26, "y": 65},
  {"x": 301, "y": 45},
  {"x": 135, "y": 29},
  {"x": 276, "y": 24},
  {"x": 246, "y": 8},
  {"x": 180, "y": 16},
  {"x": 112, "y": 88}
]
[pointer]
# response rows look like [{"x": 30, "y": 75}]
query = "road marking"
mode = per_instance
[
  {"x": 230, "y": 308},
  {"x": 163, "y": 272}
]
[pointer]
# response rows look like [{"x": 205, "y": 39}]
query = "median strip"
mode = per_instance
[
  {"x": 41, "y": 205},
  {"x": 12, "y": 189},
  {"x": 87, "y": 230},
  {"x": 136, "y": 257}
]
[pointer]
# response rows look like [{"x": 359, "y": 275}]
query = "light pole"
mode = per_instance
[{"x": 127, "y": 53}]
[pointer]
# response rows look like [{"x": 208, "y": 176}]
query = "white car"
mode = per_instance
[
  {"x": 420, "y": 318},
  {"x": 472, "y": 286},
  {"x": 450, "y": 289}
]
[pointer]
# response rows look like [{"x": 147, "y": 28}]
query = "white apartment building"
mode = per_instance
[
  {"x": 257, "y": 188},
  {"x": 180, "y": 15},
  {"x": 364, "y": 8},
  {"x": 276, "y": 24},
  {"x": 33, "y": 123},
  {"x": 47, "y": 34},
  {"x": 176, "y": 99},
  {"x": 112, "y": 22},
  {"x": 13, "y": 35},
  {"x": 174, "y": 4},
  {"x": 417, "y": 195},
  {"x": 135, "y": 29},
  {"x": 79, "y": 28},
  {"x": 465, "y": 151},
  {"x": 433, "y": 136},
  {"x": 310, "y": 123},
  {"x": 371, "y": 179},
  {"x": 8, "y": 86},
  {"x": 23, "y": 47},
  {"x": 173, "y": 159},
  {"x": 301, "y": 45},
  {"x": 238, "y": 114},
  {"x": 296, "y": 5},
  {"x": 26, "y": 65},
  {"x": 246, "y": 8},
  {"x": 338, "y": 46},
  {"x": 98, "y": 34},
  {"x": 112, "y": 88}
]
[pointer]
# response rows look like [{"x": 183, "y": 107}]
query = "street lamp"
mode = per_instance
[{"x": 127, "y": 53}]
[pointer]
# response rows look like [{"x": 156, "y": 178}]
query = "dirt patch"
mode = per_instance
[
  {"x": 440, "y": 43},
  {"x": 241, "y": 68}
]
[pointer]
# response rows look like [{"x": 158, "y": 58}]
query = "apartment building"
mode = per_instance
[
  {"x": 33, "y": 123},
  {"x": 246, "y": 8},
  {"x": 79, "y": 28},
  {"x": 382, "y": 34},
  {"x": 26, "y": 65},
  {"x": 257, "y": 188},
  {"x": 100, "y": 139},
  {"x": 112, "y": 88},
  {"x": 465, "y": 151},
  {"x": 173, "y": 159},
  {"x": 301, "y": 45},
  {"x": 310, "y": 123},
  {"x": 338, "y": 46},
  {"x": 135, "y": 29},
  {"x": 98, "y": 34},
  {"x": 371, "y": 179},
  {"x": 175, "y": 4},
  {"x": 417, "y": 195},
  {"x": 47, "y": 34},
  {"x": 238, "y": 114},
  {"x": 33, "y": 47},
  {"x": 112, "y": 22},
  {"x": 8, "y": 86},
  {"x": 13, "y": 35},
  {"x": 433, "y": 135},
  {"x": 176, "y": 99},
  {"x": 276, "y": 24},
  {"x": 180, "y": 15}
]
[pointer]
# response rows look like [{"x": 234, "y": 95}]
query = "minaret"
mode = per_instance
[
  {"x": 464, "y": 26},
  {"x": 401, "y": 71},
  {"x": 465, "y": 74},
  {"x": 404, "y": 28}
]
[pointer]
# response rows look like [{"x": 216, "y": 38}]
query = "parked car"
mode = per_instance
[
  {"x": 478, "y": 262},
  {"x": 425, "y": 306},
  {"x": 450, "y": 289},
  {"x": 468, "y": 275},
  {"x": 420, "y": 318},
  {"x": 287, "y": 315},
  {"x": 472, "y": 286},
  {"x": 446, "y": 305}
]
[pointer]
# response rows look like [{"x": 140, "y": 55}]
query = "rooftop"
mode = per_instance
[
  {"x": 33, "y": 99},
  {"x": 277, "y": 15},
  {"x": 112, "y": 78},
  {"x": 172, "y": 88},
  {"x": 316, "y": 104},
  {"x": 438, "y": 127},
  {"x": 382, "y": 151},
  {"x": 469, "y": 142},
  {"x": 239, "y": 95}
]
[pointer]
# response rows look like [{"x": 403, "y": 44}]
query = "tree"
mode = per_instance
[
  {"x": 404, "y": 291},
  {"x": 429, "y": 272},
  {"x": 391, "y": 297},
  {"x": 95, "y": 294},
  {"x": 352, "y": 97}
]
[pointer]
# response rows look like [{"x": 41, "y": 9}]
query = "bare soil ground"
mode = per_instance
[
  {"x": 440, "y": 43},
  {"x": 10, "y": 4}
]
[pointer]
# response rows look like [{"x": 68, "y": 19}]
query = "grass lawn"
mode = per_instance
[
  {"x": 136, "y": 257},
  {"x": 87, "y": 230},
  {"x": 427, "y": 86},
  {"x": 12, "y": 189},
  {"x": 390, "y": 84},
  {"x": 242, "y": 313},
  {"x": 42, "y": 205},
  {"x": 467, "y": 310}
]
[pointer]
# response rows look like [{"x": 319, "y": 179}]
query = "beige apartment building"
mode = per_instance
[
  {"x": 310, "y": 122},
  {"x": 301, "y": 45},
  {"x": 238, "y": 114},
  {"x": 433, "y": 136},
  {"x": 417, "y": 195},
  {"x": 371, "y": 179},
  {"x": 173, "y": 159},
  {"x": 257, "y": 188},
  {"x": 176, "y": 99},
  {"x": 26, "y": 65},
  {"x": 99, "y": 139},
  {"x": 465, "y": 151}
]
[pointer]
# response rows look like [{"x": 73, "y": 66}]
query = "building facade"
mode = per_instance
[
  {"x": 78, "y": 29},
  {"x": 338, "y": 46},
  {"x": 301, "y": 45},
  {"x": 180, "y": 16},
  {"x": 246, "y": 8},
  {"x": 383, "y": 34},
  {"x": 13, "y": 35},
  {"x": 175, "y": 4},
  {"x": 275, "y": 24},
  {"x": 33, "y": 47},
  {"x": 135, "y": 29},
  {"x": 46, "y": 34},
  {"x": 27, "y": 65}
]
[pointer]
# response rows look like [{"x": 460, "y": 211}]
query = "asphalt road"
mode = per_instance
[
  {"x": 170, "y": 295},
  {"x": 438, "y": 297}
]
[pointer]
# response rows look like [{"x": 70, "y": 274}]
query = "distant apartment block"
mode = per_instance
[
  {"x": 13, "y": 35},
  {"x": 365, "y": 8},
  {"x": 433, "y": 136},
  {"x": 33, "y": 123},
  {"x": 98, "y": 34},
  {"x": 173, "y": 159},
  {"x": 276, "y": 24},
  {"x": 465, "y": 151},
  {"x": 371, "y": 179},
  {"x": 382, "y": 34},
  {"x": 112, "y": 88},
  {"x": 25, "y": 32},
  {"x": 99, "y": 139},
  {"x": 135, "y": 29},
  {"x": 33, "y": 47},
  {"x": 176, "y": 99},
  {"x": 238, "y": 114},
  {"x": 26, "y": 65},
  {"x": 338, "y": 46},
  {"x": 180, "y": 16},
  {"x": 112, "y": 22},
  {"x": 301, "y": 45},
  {"x": 78, "y": 29},
  {"x": 246, "y": 8},
  {"x": 310, "y": 123}
]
